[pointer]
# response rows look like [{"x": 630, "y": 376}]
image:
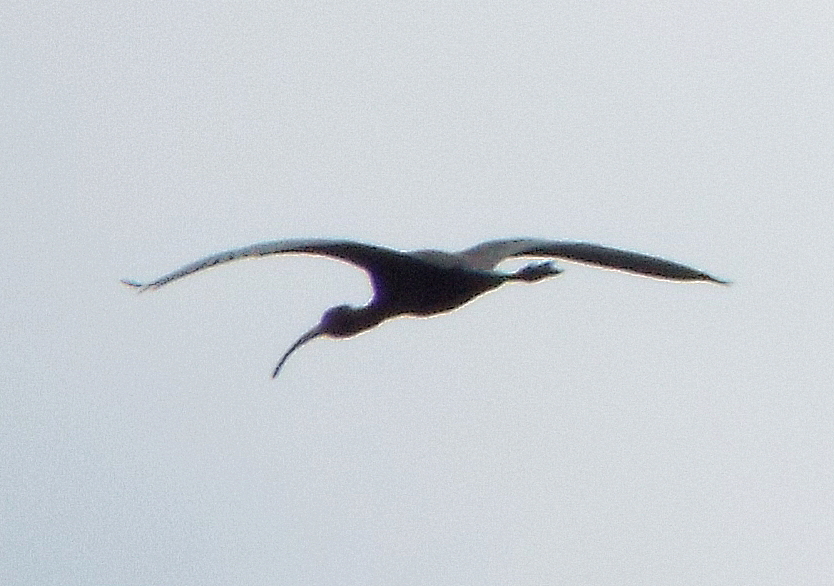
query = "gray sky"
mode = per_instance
[{"x": 596, "y": 428}]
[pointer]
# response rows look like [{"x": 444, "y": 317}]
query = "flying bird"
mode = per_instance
[{"x": 428, "y": 282}]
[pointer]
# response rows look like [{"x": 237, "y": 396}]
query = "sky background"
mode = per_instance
[{"x": 596, "y": 428}]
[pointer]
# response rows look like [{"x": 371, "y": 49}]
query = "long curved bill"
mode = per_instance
[{"x": 315, "y": 332}]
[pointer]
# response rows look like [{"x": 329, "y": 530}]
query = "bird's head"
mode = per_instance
[
  {"x": 344, "y": 321},
  {"x": 341, "y": 321}
]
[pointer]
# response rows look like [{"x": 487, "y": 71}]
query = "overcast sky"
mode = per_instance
[{"x": 596, "y": 428}]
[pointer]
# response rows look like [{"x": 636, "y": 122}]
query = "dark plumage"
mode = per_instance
[{"x": 427, "y": 282}]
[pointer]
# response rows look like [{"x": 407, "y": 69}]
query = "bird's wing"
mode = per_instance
[
  {"x": 487, "y": 255},
  {"x": 377, "y": 261}
]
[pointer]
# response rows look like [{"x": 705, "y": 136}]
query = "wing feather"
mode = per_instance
[
  {"x": 487, "y": 255},
  {"x": 373, "y": 259}
]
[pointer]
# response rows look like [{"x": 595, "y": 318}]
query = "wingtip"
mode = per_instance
[
  {"x": 135, "y": 285},
  {"x": 718, "y": 281}
]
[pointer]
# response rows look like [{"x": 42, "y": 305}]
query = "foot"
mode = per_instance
[{"x": 536, "y": 272}]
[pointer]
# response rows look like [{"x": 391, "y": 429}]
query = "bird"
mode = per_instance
[{"x": 428, "y": 282}]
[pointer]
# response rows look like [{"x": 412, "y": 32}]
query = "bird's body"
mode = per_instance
[{"x": 428, "y": 282}]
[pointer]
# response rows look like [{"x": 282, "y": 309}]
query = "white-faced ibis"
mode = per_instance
[{"x": 426, "y": 282}]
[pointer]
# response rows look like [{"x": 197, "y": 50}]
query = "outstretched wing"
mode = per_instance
[
  {"x": 487, "y": 255},
  {"x": 377, "y": 261}
]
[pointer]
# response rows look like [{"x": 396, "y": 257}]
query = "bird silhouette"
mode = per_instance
[{"x": 428, "y": 282}]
